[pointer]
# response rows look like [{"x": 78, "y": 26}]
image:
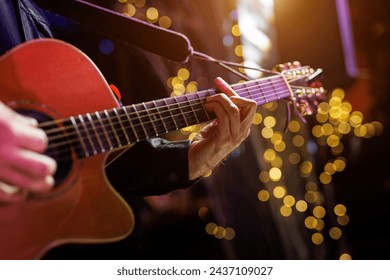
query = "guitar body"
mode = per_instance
[{"x": 52, "y": 79}]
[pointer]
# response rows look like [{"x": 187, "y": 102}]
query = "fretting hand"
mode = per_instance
[{"x": 220, "y": 137}]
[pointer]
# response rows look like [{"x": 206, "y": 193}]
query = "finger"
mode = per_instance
[
  {"x": 31, "y": 138},
  {"x": 227, "y": 113},
  {"x": 34, "y": 164},
  {"x": 21, "y": 130},
  {"x": 25, "y": 181},
  {"x": 247, "y": 110},
  {"x": 224, "y": 87},
  {"x": 11, "y": 194}
]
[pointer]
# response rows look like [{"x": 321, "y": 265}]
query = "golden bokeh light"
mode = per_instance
[
  {"x": 275, "y": 174},
  {"x": 317, "y": 238},
  {"x": 289, "y": 200},
  {"x": 310, "y": 222},
  {"x": 319, "y": 212},
  {"x": 263, "y": 195},
  {"x": 285, "y": 211},
  {"x": 279, "y": 192},
  {"x": 257, "y": 119},
  {"x": 301, "y": 206}
]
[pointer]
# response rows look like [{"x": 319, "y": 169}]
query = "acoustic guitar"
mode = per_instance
[{"x": 61, "y": 87}]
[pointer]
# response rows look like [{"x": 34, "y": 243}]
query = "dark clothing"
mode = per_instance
[{"x": 150, "y": 167}]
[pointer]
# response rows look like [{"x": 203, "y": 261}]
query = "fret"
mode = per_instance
[
  {"x": 121, "y": 125},
  {"x": 248, "y": 90},
  {"x": 205, "y": 93},
  {"x": 103, "y": 128},
  {"x": 277, "y": 93},
  {"x": 87, "y": 134},
  {"x": 192, "y": 108},
  {"x": 91, "y": 121},
  {"x": 160, "y": 116},
  {"x": 140, "y": 122},
  {"x": 178, "y": 105},
  {"x": 170, "y": 113},
  {"x": 197, "y": 104},
  {"x": 131, "y": 124},
  {"x": 108, "y": 117},
  {"x": 264, "y": 94},
  {"x": 80, "y": 139},
  {"x": 150, "y": 118}
]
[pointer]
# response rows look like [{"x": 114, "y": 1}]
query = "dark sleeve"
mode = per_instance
[{"x": 151, "y": 167}]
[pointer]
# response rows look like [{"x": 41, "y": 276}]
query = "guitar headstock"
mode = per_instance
[{"x": 306, "y": 88}]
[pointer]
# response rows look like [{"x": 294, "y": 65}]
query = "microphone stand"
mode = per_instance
[{"x": 129, "y": 30}]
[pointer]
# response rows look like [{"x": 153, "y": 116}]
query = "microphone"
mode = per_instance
[{"x": 149, "y": 37}]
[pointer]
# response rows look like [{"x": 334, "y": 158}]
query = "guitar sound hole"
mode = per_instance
[{"x": 58, "y": 148}]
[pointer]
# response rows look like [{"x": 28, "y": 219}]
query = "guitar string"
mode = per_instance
[
  {"x": 243, "y": 90},
  {"x": 149, "y": 114},
  {"x": 64, "y": 144},
  {"x": 246, "y": 88},
  {"x": 170, "y": 107},
  {"x": 154, "y": 128}
]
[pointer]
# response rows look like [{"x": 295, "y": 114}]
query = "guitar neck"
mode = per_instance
[{"x": 103, "y": 131}]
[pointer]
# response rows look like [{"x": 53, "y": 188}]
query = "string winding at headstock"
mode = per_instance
[{"x": 306, "y": 88}]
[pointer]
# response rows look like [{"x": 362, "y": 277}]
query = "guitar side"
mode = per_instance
[{"x": 54, "y": 79}]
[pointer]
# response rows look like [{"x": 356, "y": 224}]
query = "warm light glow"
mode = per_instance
[
  {"x": 238, "y": 50},
  {"x": 257, "y": 119},
  {"x": 335, "y": 233},
  {"x": 319, "y": 212},
  {"x": 301, "y": 206},
  {"x": 165, "y": 22},
  {"x": 236, "y": 30},
  {"x": 276, "y": 137},
  {"x": 339, "y": 93},
  {"x": 269, "y": 121},
  {"x": 298, "y": 141},
  {"x": 311, "y": 186},
  {"x": 263, "y": 195},
  {"x": 279, "y": 192},
  {"x": 129, "y": 10},
  {"x": 210, "y": 227},
  {"x": 264, "y": 176},
  {"x": 289, "y": 200},
  {"x": 294, "y": 126},
  {"x": 192, "y": 87},
  {"x": 317, "y": 238},
  {"x": 340, "y": 210},
  {"x": 219, "y": 232},
  {"x": 267, "y": 132},
  {"x": 275, "y": 174},
  {"x": 345, "y": 256},
  {"x": 325, "y": 178},
  {"x": 294, "y": 158},
  {"x": 311, "y": 196},
  {"x": 285, "y": 211},
  {"x": 306, "y": 168},
  {"x": 343, "y": 220},
  {"x": 320, "y": 225},
  {"x": 277, "y": 162},
  {"x": 269, "y": 155},
  {"x": 203, "y": 212},
  {"x": 230, "y": 233},
  {"x": 183, "y": 74},
  {"x": 311, "y": 222},
  {"x": 279, "y": 146},
  {"x": 140, "y": 3}
]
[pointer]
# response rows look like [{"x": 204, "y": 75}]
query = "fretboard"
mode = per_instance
[{"x": 103, "y": 131}]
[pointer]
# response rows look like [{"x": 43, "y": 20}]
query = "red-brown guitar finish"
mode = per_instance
[{"x": 56, "y": 79}]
